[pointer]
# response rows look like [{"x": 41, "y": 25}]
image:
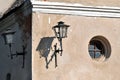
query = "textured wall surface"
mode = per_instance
[
  {"x": 20, "y": 22},
  {"x": 14, "y": 66},
  {"x": 90, "y": 2},
  {"x": 75, "y": 63}
]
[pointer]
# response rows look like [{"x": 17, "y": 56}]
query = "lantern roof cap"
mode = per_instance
[
  {"x": 60, "y": 24},
  {"x": 8, "y": 31}
]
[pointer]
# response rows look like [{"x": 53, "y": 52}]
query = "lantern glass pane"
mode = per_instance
[
  {"x": 9, "y": 38},
  {"x": 61, "y": 32},
  {"x": 56, "y": 32},
  {"x": 64, "y": 32}
]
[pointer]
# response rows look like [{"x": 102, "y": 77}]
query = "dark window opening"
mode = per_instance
[
  {"x": 99, "y": 48},
  {"x": 8, "y": 77},
  {"x": 96, "y": 49}
]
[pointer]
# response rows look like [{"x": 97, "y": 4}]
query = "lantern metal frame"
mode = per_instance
[
  {"x": 60, "y": 31},
  {"x": 23, "y": 53},
  {"x": 9, "y": 34}
]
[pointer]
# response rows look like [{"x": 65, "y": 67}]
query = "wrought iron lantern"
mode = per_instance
[
  {"x": 60, "y": 30},
  {"x": 8, "y": 38}
]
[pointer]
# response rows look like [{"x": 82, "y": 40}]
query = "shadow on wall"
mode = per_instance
[{"x": 44, "y": 47}]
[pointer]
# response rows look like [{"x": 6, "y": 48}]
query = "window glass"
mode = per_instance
[{"x": 99, "y": 47}]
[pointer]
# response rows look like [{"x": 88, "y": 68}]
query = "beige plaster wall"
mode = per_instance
[
  {"x": 76, "y": 63},
  {"x": 90, "y": 2}
]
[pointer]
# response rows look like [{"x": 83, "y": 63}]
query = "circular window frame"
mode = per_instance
[{"x": 106, "y": 45}]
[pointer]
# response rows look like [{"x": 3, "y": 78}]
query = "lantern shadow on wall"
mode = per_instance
[
  {"x": 45, "y": 44},
  {"x": 8, "y": 36},
  {"x": 44, "y": 47}
]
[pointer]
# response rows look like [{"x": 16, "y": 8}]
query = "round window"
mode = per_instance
[{"x": 99, "y": 48}]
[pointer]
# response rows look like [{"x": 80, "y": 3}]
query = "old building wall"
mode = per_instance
[
  {"x": 75, "y": 63},
  {"x": 14, "y": 66},
  {"x": 111, "y": 3},
  {"x": 18, "y": 21}
]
